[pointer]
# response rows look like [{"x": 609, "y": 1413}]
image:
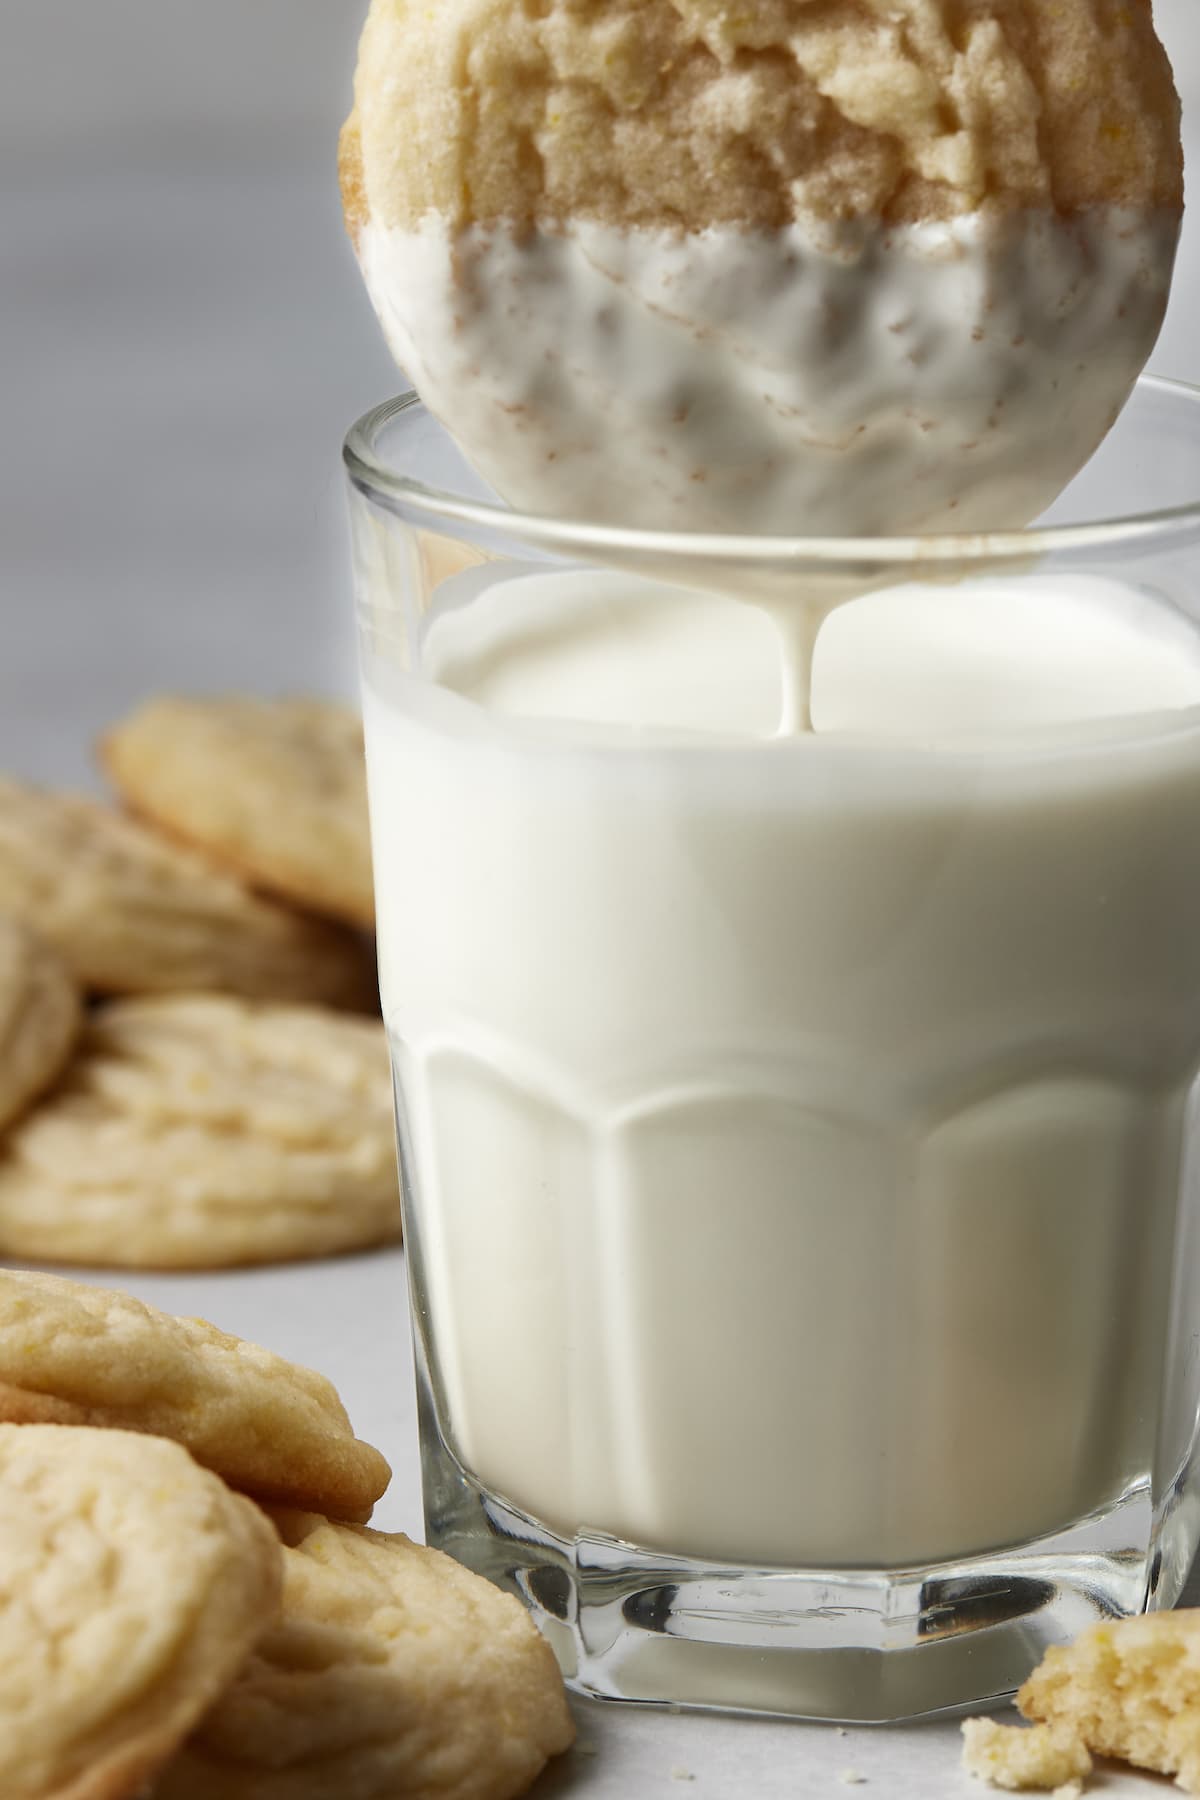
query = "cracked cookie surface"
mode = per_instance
[
  {"x": 276, "y": 789},
  {"x": 75, "y": 1354},
  {"x": 40, "y": 1017},
  {"x": 131, "y": 912},
  {"x": 681, "y": 114},
  {"x": 393, "y": 1674},
  {"x": 132, "y": 1585},
  {"x": 207, "y": 1131}
]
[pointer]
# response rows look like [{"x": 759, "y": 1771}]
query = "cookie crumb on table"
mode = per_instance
[
  {"x": 1129, "y": 1689},
  {"x": 1046, "y": 1757}
]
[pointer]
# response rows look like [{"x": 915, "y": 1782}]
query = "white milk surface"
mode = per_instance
[{"x": 795, "y": 1120}]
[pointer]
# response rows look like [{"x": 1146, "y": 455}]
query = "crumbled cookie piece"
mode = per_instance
[
  {"x": 1036, "y": 1756},
  {"x": 1130, "y": 1689}
]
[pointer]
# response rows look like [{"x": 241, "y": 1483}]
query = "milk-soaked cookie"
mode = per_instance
[
  {"x": 805, "y": 267},
  {"x": 276, "y": 789},
  {"x": 40, "y": 1017},
  {"x": 205, "y": 1132},
  {"x": 132, "y": 1586},
  {"x": 132, "y": 912},
  {"x": 393, "y": 1674},
  {"x": 75, "y": 1354}
]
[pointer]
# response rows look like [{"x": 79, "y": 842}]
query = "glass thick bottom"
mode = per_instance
[{"x": 864, "y": 1646}]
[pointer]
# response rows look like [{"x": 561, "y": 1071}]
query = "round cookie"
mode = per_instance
[
  {"x": 40, "y": 1017},
  {"x": 800, "y": 267},
  {"x": 131, "y": 912},
  {"x": 274, "y": 788},
  {"x": 392, "y": 1672},
  {"x": 207, "y": 1131},
  {"x": 72, "y": 1354},
  {"x": 132, "y": 1585}
]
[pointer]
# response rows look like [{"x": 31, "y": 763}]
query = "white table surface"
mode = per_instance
[{"x": 183, "y": 339}]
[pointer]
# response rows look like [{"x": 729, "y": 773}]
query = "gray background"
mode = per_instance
[{"x": 183, "y": 340}]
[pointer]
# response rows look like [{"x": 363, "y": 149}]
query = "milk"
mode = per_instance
[{"x": 793, "y": 1117}]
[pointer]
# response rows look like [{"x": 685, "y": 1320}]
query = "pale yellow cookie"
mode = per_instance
[
  {"x": 132, "y": 1585},
  {"x": 1128, "y": 1688},
  {"x": 1044, "y": 1757},
  {"x": 40, "y": 1016},
  {"x": 274, "y": 788},
  {"x": 207, "y": 1131},
  {"x": 72, "y": 1354},
  {"x": 682, "y": 114},
  {"x": 132, "y": 912},
  {"x": 393, "y": 1674}
]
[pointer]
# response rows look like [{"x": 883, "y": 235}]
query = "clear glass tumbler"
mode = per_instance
[{"x": 790, "y": 957}]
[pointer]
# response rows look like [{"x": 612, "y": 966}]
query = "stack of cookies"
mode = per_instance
[
  {"x": 188, "y": 1075},
  {"x": 189, "y": 1605}
]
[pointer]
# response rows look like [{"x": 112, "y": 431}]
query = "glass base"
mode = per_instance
[{"x": 856, "y": 1645}]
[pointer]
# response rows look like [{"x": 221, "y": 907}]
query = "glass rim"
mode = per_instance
[{"x": 374, "y": 477}]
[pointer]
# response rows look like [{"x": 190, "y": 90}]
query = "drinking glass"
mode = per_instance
[{"x": 795, "y": 1018}]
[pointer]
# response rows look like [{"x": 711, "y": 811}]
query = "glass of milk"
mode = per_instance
[{"x": 790, "y": 952}]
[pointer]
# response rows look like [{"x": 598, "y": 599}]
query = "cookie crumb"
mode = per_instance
[
  {"x": 1129, "y": 1689},
  {"x": 1048, "y": 1757},
  {"x": 852, "y": 1778}
]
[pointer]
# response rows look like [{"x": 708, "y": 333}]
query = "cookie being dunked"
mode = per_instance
[{"x": 855, "y": 266}]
